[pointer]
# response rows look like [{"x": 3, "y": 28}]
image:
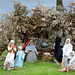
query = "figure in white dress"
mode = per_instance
[
  {"x": 66, "y": 52},
  {"x": 9, "y": 61}
]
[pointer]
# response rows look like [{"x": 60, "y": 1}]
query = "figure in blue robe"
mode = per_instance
[
  {"x": 30, "y": 47},
  {"x": 31, "y": 50},
  {"x": 19, "y": 58}
]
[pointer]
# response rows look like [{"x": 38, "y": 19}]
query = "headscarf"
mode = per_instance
[
  {"x": 72, "y": 52},
  {"x": 27, "y": 43},
  {"x": 11, "y": 41},
  {"x": 66, "y": 41},
  {"x": 20, "y": 47},
  {"x": 60, "y": 33}
]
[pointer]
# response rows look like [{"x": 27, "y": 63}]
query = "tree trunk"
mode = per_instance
[
  {"x": 59, "y": 2},
  {"x": 26, "y": 37}
]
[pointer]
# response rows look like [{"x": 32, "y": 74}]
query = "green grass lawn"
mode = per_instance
[{"x": 37, "y": 68}]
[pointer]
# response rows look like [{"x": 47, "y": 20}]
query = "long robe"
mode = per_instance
[
  {"x": 66, "y": 52},
  {"x": 31, "y": 56},
  {"x": 10, "y": 57},
  {"x": 58, "y": 51},
  {"x": 19, "y": 58}
]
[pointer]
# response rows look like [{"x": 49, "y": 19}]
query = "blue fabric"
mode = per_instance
[
  {"x": 31, "y": 47},
  {"x": 19, "y": 58}
]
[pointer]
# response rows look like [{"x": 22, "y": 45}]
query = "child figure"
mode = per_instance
[
  {"x": 71, "y": 65},
  {"x": 19, "y": 57},
  {"x": 71, "y": 61}
]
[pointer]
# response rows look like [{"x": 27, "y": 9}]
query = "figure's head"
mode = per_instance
[
  {"x": 20, "y": 47},
  {"x": 72, "y": 53},
  {"x": 12, "y": 42},
  {"x": 67, "y": 41},
  {"x": 59, "y": 34},
  {"x": 31, "y": 42}
]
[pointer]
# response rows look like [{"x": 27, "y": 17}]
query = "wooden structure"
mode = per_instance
[{"x": 42, "y": 51}]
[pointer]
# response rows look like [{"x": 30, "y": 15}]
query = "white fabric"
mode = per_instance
[
  {"x": 66, "y": 51},
  {"x": 11, "y": 41},
  {"x": 71, "y": 55},
  {"x": 73, "y": 52},
  {"x": 71, "y": 62},
  {"x": 20, "y": 47},
  {"x": 9, "y": 59},
  {"x": 15, "y": 49},
  {"x": 26, "y": 51},
  {"x": 46, "y": 53},
  {"x": 67, "y": 39},
  {"x": 9, "y": 48}
]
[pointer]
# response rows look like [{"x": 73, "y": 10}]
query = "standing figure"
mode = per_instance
[
  {"x": 9, "y": 61},
  {"x": 19, "y": 57},
  {"x": 66, "y": 52},
  {"x": 31, "y": 50},
  {"x": 58, "y": 51}
]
